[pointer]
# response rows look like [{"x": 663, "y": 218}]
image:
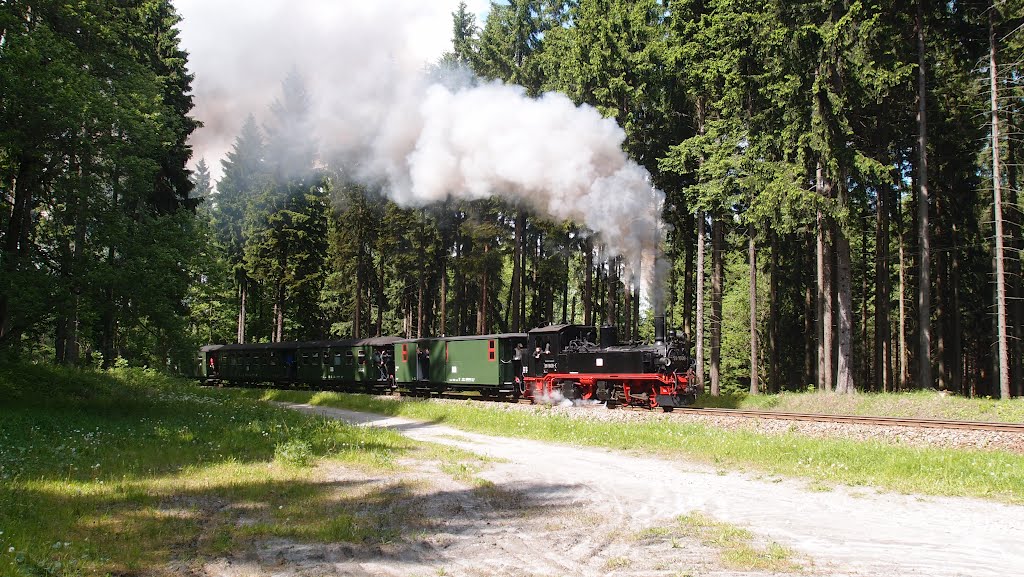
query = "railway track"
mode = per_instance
[
  {"x": 774, "y": 415},
  {"x": 812, "y": 417},
  {"x": 854, "y": 419}
]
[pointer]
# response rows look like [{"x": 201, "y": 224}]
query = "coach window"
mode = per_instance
[
  {"x": 337, "y": 359},
  {"x": 490, "y": 350}
]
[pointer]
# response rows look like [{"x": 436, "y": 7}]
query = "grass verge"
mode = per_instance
[
  {"x": 916, "y": 404},
  {"x": 130, "y": 471},
  {"x": 931, "y": 471}
]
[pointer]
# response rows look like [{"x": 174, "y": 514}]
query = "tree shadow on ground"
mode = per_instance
[{"x": 132, "y": 530}]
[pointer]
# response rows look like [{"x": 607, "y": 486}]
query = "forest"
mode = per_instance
[{"x": 840, "y": 181}]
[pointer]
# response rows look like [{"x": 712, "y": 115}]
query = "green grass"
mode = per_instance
[
  {"x": 122, "y": 472},
  {"x": 736, "y": 545},
  {"x": 738, "y": 548},
  {"x": 932, "y": 471},
  {"x": 917, "y": 404},
  {"x": 616, "y": 563}
]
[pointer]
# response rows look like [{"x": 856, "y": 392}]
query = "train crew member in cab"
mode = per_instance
[
  {"x": 537, "y": 352},
  {"x": 381, "y": 357},
  {"x": 290, "y": 363},
  {"x": 517, "y": 353},
  {"x": 422, "y": 363},
  {"x": 518, "y": 356}
]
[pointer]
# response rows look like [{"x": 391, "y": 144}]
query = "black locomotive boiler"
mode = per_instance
[{"x": 580, "y": 362}]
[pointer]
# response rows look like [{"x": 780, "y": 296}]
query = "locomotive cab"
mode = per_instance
[{"x": 546, "y": 347}]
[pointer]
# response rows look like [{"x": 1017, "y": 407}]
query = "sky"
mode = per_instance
[{"x": 240, "y": 50}]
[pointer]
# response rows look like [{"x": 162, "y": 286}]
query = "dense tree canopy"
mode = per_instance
[
  {"x": 835, "y": 161},
  {"x": 97, "y": 232}
]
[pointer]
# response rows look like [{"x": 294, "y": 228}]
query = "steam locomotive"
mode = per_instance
[{"x": 573, "y": 362}]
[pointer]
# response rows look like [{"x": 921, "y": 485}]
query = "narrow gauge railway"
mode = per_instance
[
  {"x": 558, "y": 361},
  {"x": 862, "y": 420}
]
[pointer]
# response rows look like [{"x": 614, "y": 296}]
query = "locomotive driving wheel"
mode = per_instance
[{"x": 570, "y": 390}]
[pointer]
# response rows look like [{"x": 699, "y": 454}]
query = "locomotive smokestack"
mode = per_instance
[{"x": 659, "y": 329}]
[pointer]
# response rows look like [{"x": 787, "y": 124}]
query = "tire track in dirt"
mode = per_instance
[{"x": 587, "y": 508}]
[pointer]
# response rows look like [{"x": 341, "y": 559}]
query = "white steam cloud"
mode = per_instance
[{"x": 420, "y": 140}]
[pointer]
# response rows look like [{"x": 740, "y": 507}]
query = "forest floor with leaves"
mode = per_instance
[{"x": 500, "y": 506}]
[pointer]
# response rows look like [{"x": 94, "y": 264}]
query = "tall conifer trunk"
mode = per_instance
[
  {"x": 774, "y": 382},
  {"x": 824, "y": 269},
  {"x": 811, "y": 318},
  {"x": 279, "y": 308},
  {"x": 444, "y": 298},
  {"x": 517, "y": 271},
  {"x": 609, "y": 301},
  {"x": 627, "y": 309},
  {"x": 904, "y": 365},
  {"x": 752, "y": 261},
  {"x": 957, "y": 355},
  {"x": 701, "y": 238},
  {"x": 17, "y": 234},
  {"x": 688, "y": 311},
  {"x": 844, "y": 280},
  {"x": 866, "y": 357},
  {"x": 699, "y": 352},
  {"x": 1002, "y": 343},
  {"x": 481, "y": 315},
  {"x": 717, "y": 282},
  {"x": 1015, "y": 306},
  {"x": 588, "y": 282},
  {"x": 883, "y": 342},
  {"x": 243, "y": 293},
  {"x": 844, "y": 296},
  {"x": 357, "y": 315},
  {"x": 565, "y": 282},
  {"x": 381, "y": 299},
  {"x": 924, "y": 365}
]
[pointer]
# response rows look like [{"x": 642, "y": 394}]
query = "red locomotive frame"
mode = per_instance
[{"x": 633, "y": 389}]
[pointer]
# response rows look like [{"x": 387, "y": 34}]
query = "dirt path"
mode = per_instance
[{"x": 597, "y": 512}]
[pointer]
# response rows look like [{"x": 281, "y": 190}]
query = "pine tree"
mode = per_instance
[{"x": 245, "y": 177}]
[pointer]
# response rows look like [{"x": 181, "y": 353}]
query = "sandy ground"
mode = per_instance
[{"x": 560, "y": 510}]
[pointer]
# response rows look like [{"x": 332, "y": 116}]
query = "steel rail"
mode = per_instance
[{"x": 855, "y": 419}]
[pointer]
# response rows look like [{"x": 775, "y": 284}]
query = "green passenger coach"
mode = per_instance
[{"x": 486, "y": 363}]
